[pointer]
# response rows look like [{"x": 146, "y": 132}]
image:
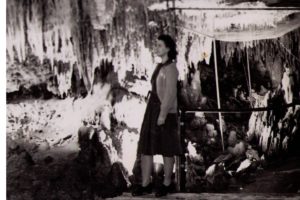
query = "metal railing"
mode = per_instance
[{"x": 181, "y": 161}]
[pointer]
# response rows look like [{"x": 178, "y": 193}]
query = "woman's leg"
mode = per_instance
[
  {"x": 168, "y": 169},
  {"x": 146, "y": 165}
]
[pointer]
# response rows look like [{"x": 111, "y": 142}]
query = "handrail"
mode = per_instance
[{"x": 243, "y": 110}]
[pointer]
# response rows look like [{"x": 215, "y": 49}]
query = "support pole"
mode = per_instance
[
  {"x": 249, "y": 75},
  {"x": 218, "y": 92},
  {"x": 179, "y": 160},
  {"x": 182, "y": 163}
]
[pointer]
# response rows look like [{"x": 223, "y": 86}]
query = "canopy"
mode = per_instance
[{"x": 240, "y": 22}]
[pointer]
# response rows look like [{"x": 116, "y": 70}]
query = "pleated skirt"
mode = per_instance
[{"x": 159, "y": 140}]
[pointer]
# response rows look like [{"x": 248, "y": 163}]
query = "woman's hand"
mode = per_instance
[{"x": 160, "y": 121}]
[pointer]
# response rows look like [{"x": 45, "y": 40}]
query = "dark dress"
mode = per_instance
[{"x": 163, "y": 139}]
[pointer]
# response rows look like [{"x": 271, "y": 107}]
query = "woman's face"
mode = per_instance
[{"x": 161, "y": 49}]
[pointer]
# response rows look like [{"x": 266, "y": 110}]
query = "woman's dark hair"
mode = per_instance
[{"x": 170, "y": 43}]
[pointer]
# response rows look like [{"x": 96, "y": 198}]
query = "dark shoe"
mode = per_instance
[
  {"x": 140, "y": 190},
  {"x": 163, "y": 190}
]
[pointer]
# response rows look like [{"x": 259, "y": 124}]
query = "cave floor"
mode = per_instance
[
  {"x": 213, "y": 196},
  {"x": 274, "y": 183}
]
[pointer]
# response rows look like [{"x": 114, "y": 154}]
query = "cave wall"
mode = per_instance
[
  {"x": 274, "y": 74},
  {"x": 255, "y": 138},
  {"x": 99, "y": 50},
  {"x": 51, "y": 41}
]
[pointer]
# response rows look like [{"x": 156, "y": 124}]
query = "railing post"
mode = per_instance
[
  {"x": 182, "y": 162},
  {"x": 218, "y": 92}
]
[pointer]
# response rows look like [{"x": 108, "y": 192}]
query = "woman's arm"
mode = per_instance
[{"x": 170, "y": 91}]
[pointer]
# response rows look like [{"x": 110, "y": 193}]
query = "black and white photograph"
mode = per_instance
[{"x": 151, "y": 99}]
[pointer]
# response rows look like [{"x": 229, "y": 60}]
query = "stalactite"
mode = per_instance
[
  {"x": 15, "y": 31},
  {"x": 283, "y": 79},
  {"x": 71, "y": 35}
]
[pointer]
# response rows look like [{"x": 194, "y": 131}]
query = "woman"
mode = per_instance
[{"x": 159, "y": 131}]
